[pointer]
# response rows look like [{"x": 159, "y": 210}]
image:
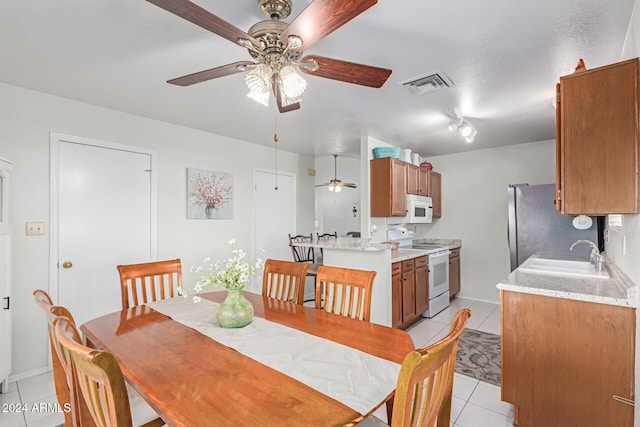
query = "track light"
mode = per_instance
[
  {"x": 466, "y": 129},
  {"x": 456, "y": 124},
  {"x": 471, "y": 136}
]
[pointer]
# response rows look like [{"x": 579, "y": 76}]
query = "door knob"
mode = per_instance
[{"x": 67, "y": 264}]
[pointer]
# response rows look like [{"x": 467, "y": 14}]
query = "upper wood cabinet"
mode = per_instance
[
  {"x": 388, "y": 187},
  {"x": 597, "y": 141},
  {"x": 417, "y": 180}
]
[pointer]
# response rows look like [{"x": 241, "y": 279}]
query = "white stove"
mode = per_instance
[{"x": 438, "y": 287}]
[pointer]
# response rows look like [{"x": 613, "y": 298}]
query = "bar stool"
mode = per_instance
[{"x": 305, "y": 254}]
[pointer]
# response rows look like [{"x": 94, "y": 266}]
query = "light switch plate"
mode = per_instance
[{"x": 35, "y": 228}]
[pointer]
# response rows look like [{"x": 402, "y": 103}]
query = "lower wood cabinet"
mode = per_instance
[
  {"x": 564, "y": 360},
  {"x": 409, "y": 291}
]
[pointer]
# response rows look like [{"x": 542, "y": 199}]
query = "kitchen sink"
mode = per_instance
[{"x": 562, "y": 267}]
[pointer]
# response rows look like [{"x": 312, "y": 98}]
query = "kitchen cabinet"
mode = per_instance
[
  {"x": 421, "y": 279},
  {"x": 5, "y": 277},
  {"x": 417, "y": 180},
  {"x": 597, "y": 140},
  {"x": 396, "y": 294},
  {"x": 388, "y": 187},
  {"x": 563, "y": 361},
  {"x": 454, "y": 272},
  {"x": 408, "y": 290},
  {"x": 434, "y": 184},
  {"x": 412, "y": 179}
]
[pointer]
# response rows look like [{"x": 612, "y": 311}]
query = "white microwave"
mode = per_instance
[{"x": 419, "y": 211}]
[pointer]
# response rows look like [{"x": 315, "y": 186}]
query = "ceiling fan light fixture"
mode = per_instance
[
  {"x": 293, "y": 42},
  {"x": 292, "y": 86},
  {"x": 258, "y": 81}
]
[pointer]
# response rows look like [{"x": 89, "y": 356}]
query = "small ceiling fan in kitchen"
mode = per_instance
[
  {"x": 277, "y": 48},
  {"x": 335, "y": 184}
]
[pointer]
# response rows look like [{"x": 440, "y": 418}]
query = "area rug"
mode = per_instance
[{"x": 479, "y": 356}]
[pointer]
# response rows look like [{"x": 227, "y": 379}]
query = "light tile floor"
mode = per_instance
[{"x": 31, "y": 402}]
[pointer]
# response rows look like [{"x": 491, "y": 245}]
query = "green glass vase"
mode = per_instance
[{"x": 235, "y": 311}]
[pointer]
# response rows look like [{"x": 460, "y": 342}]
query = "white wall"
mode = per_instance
[
  {"x": 27, "y": 119},
  {"x": 474, "y": 207},
  {"x": 334, "y": 211}
]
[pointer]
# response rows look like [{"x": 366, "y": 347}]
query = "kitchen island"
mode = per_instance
[
  {"x": 568, "y": 347},
  {"x": 362, "y": 254}
]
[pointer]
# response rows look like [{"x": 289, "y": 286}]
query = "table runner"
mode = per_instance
[{"x": 355, "y": 378}]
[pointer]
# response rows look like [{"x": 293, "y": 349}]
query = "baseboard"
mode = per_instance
[
  {"x": 477, "y": 299},
  {"x": 28, "y": 374}
]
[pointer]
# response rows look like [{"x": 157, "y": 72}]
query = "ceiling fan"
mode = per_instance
[
  {"x": 335, "y": 184},
  {"x": 277, "y": 47}
]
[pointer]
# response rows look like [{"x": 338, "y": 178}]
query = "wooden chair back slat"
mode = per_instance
[
  {"x": 149, "y": 282},
  {"x": 345, "y": 291},
  {"x": 284, "y": 280}
]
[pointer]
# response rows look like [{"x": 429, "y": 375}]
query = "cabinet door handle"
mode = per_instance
[{"x": 8, "y": 300}]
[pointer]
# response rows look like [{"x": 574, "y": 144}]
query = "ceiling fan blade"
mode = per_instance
[
  {"x": 275, "y": 85},
  {"x": 212, "y": 73},
  {"x": 350, "y": 72},
  {"x": 322, "y": 17},
  {"x": 203, "y": 18},
  {"x": 350, "y": 185}
]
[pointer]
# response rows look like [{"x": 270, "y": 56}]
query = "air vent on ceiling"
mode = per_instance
[{"x": 430, "y": 82}]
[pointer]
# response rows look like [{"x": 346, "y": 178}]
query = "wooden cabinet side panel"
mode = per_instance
[
  {"x": 396, "y": 295},
  {"x": 381, "y": 186},
  {"x": 435, "y": 192},
  {"x": 563, "y": 360},
  {"x": 599, "y": 140},
  {"x": 559, "y": 157},
  {"x": 454, "y": 275}
]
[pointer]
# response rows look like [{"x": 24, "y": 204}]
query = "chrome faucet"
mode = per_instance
[{"x": 596, "y": 259}]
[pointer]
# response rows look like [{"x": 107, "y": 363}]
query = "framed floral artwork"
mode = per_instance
[{"x": 209, "y": 194}]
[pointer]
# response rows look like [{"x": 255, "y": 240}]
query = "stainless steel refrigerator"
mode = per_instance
[{"x": 536, "y": 227}]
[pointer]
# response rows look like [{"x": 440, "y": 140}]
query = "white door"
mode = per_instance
[
  {"x": 5, "y": 277},
  {"x": 274, "y": 216},
  {"x": 103, "y": 214}
]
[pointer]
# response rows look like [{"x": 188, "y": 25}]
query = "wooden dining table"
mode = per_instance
[{"x": 192, "y": 380}]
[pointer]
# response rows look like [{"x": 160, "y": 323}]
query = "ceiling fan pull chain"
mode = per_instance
[{"x": 275, "y": 141}]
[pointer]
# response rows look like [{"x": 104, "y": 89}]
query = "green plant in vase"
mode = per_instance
[{"x": 232, "y": 273}]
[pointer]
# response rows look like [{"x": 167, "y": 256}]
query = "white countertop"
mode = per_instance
[
  {"x": 403, "y": 254},
  {"x": 347, "y": 243},
  {"x": 618, "y": 290}
]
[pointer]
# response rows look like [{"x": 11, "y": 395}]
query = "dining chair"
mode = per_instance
[
  {"x": 425, "y": 384},
  {"x": 62, "y": 387},
  {"x": 284, "y": 280},
  {"x": 344, "y": 291},
  {"x": 324, "y": 237},
  {"x": 98, "y": 383},
  {"x": 149, "y": 281}
]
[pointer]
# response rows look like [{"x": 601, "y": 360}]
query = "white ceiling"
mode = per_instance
[{"x": 504, "y": 57}]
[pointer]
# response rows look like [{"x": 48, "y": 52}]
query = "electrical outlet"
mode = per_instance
[{"x": 35, "y": 228}]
